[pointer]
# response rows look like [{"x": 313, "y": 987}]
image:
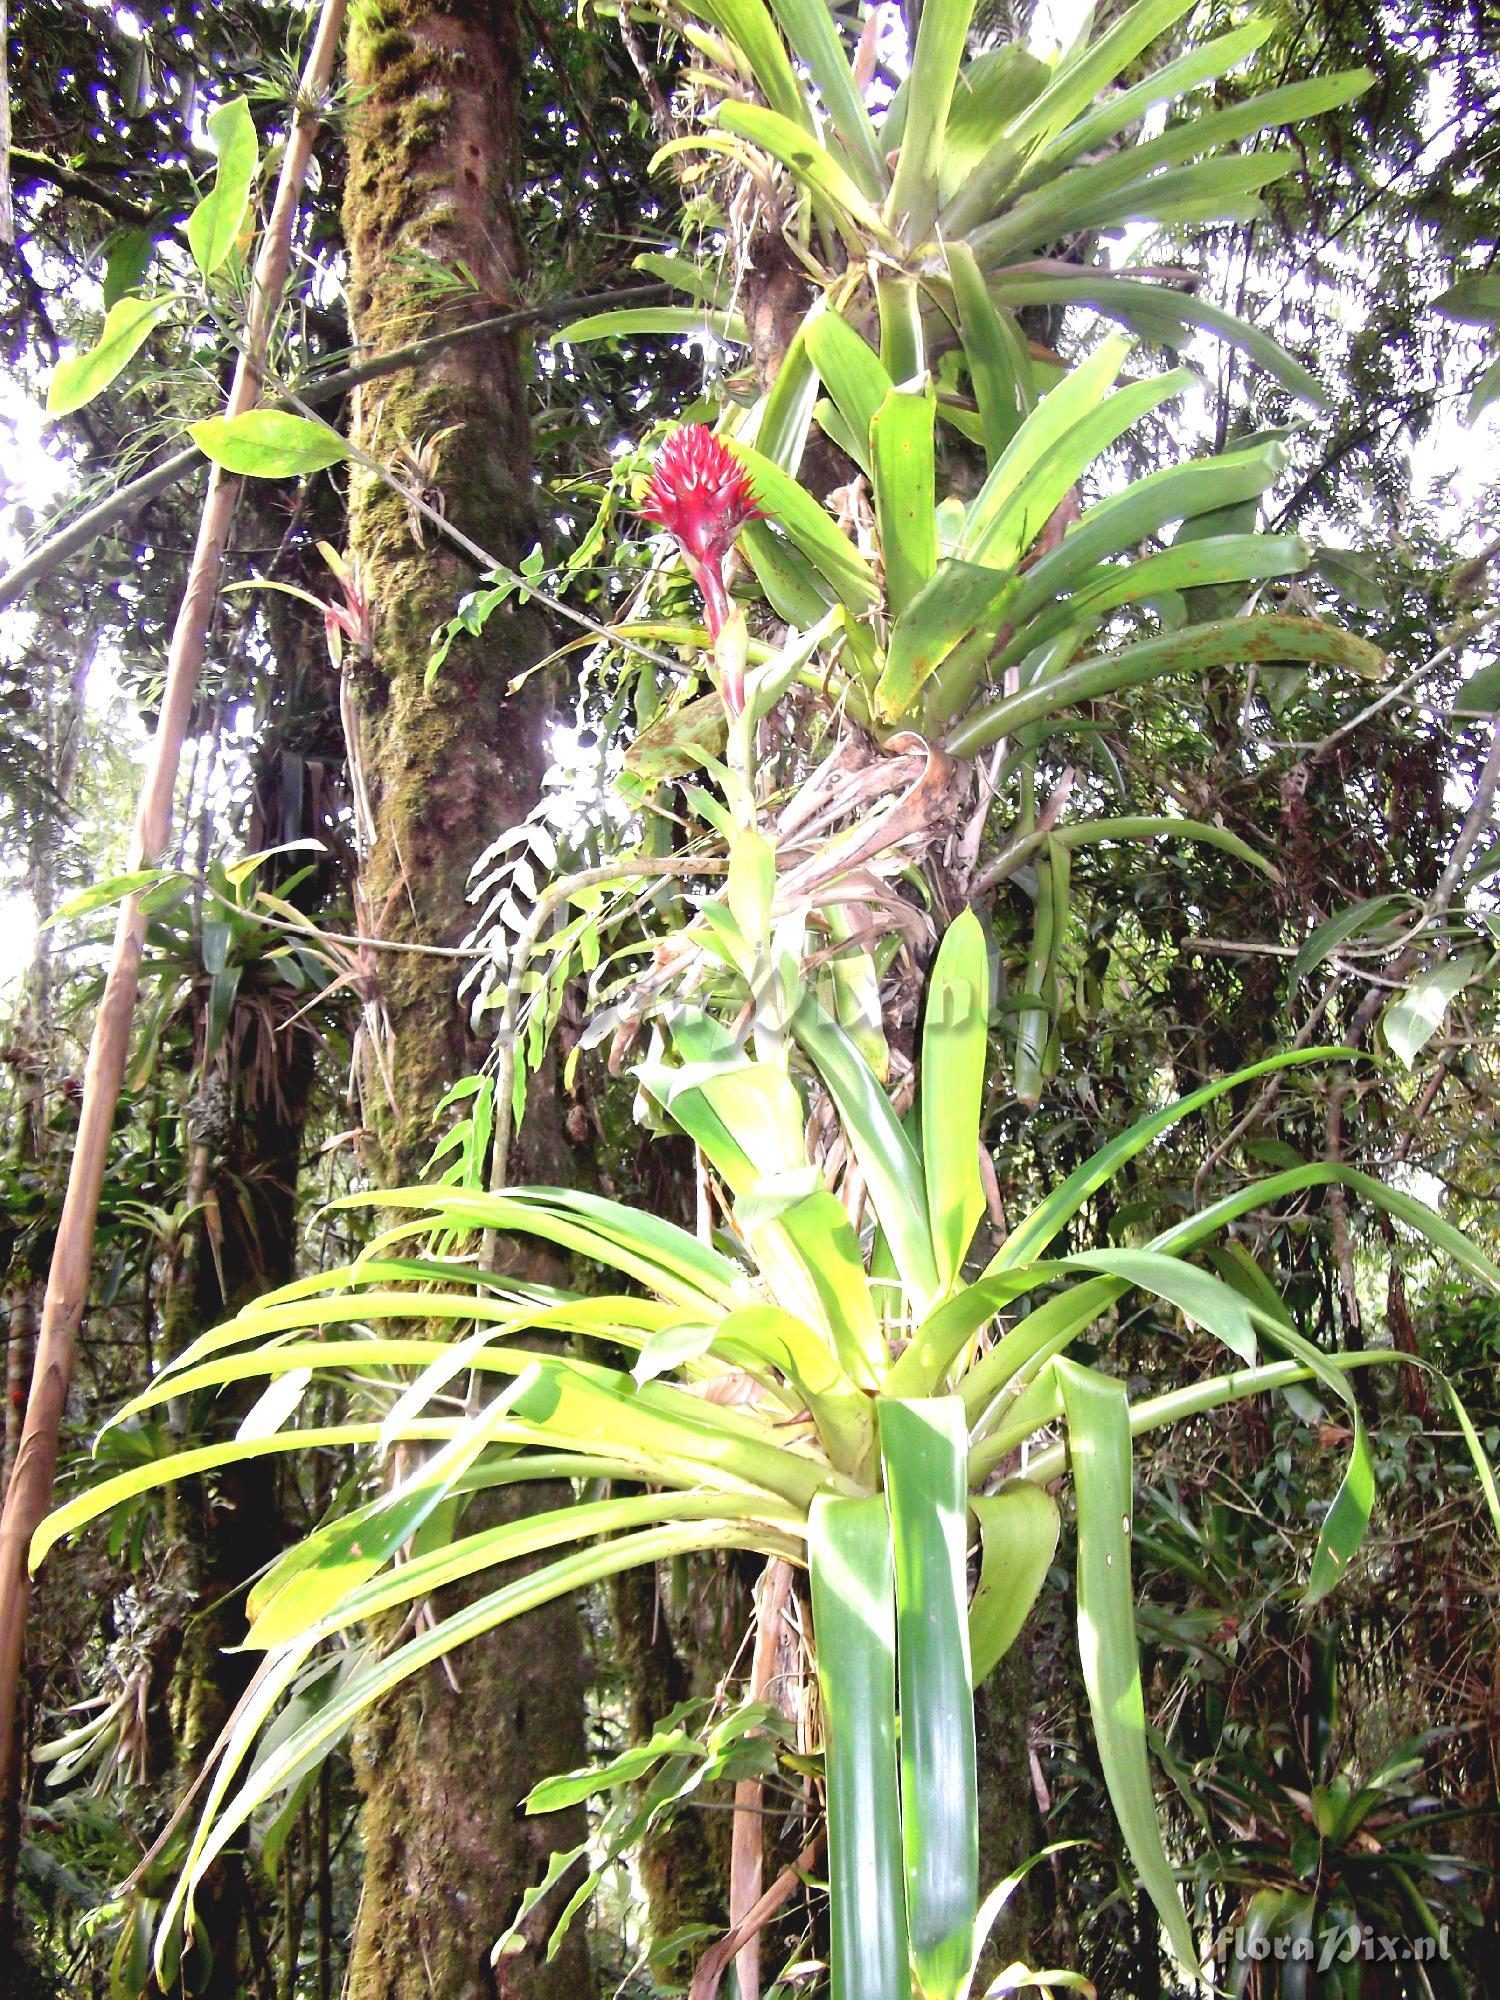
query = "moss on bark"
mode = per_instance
[{"x": 445, "y": 768}]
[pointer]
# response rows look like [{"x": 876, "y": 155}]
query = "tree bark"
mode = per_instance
[{"x": 446, "y": 1761}]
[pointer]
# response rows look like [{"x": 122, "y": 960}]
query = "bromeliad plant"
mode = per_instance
[
  {"x": 882, "y": 1398},
  {"x": 935, "y": 643}
]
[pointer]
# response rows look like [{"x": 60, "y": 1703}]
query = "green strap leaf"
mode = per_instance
[
  {"x": 1018, "y": 1529},
  {"x": 810, "y": 529},
  {"x": 1080, "y": 81},
  {"x": 1199, "y": 1294},
  {"x": 1347, "y": 1520},
  {"x": 1098, "y": 1416},
  {"x": 941, "y": 34},
  {"x": 1191, "y": 565},
  {"x": 1126, "y": 519},
  {"x": 1032, "y": 1236},
  {"x": 893, "y": 1173},
  {"x": 628, "y": 320},
  {"x": 811, "y": 32},
  {"x": 1370, "y": 917},
  {"x": 659, "y": 1252},
  {"x": 955, "y": 1029},
  {"x": 808, "y": 162},
  {"x": 511, "y": 1600},
  {"x": 109, "y": 1494},
  {"x": 1224, "y": 190},
  {"x": 924, "y": 1448},
  {"x": 1090, "y": 833},
  {"x": 1046, "y": 1330},
  {"x": 961, "y": 600},
  {"x": 316, "y": 1601},
  {"x": 335, "y": 1560},
  {"x": 748, "y": 25},
  {"x": 902, "y": 452},
  {"x": 785, "y": 411},
  {"x": 854, "y": 376},
  {"x": 1117, "y": 113},
  {"x": 1079, "y": 395},
  {"x": 978, "y": 152},
  {"x": 997, "y": 358},
  {"x": 1229, "y": 641},
  {"x": 854, "y": 1615},
  {"x": 214, "y": 226},
  {"x": 1164, "y": 316},
  {"x": 833, "y": 1290}
]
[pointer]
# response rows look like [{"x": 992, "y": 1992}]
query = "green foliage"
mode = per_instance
[
  {"x": 731, "y": 1475},
  {"x": 1116, "y": 652}
]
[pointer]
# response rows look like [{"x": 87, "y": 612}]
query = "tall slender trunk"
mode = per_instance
[
  {"x": 445, "y": 1763},
  {"x": 25, "y": 1279}
]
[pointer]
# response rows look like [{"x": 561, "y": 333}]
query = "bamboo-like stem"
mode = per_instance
[{"x": 30, "y": 1491}]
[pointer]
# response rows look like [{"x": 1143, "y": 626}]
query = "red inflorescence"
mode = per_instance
[{"x": 701, "y": 494}]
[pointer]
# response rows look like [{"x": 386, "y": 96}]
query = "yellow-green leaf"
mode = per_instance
[
  {"x": 214, "y": 225},
  {"x": 79, "y": 377},
  {"x": 268, "y": 444}
]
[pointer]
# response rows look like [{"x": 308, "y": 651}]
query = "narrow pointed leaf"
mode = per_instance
[
  {"x": 1273, "y": 637},
  {"x": 854, "y": 1616},
  {"x": 1098, "y": 1416},
  {"x": 811, "y": 32},
  {"x": 1164, "y": 316},
  {"x": 496, "y": 1607},
  {"x": 924, "y": 1447},
  {"x": 1117, "y": 112},
  {"x": 627, "y": 321},
  {"x": 1080, "y": 82},
  {"x": 854, "y": 376},
  {"x": 1018, "y": 1528},
  {"x": 996, "y": 355},
  {"x": 810, "y": 163},
  {"x": 748, "y": 25},
  {"x": 1205, "y": 1299},
  {"x": 893, "y": 1173},
  {"x": 811, "y": 530},
  {"x": 935, "y": 61},
  {"x": 955, "y": 1032},
  {"x": 1032, "y": 1236}
]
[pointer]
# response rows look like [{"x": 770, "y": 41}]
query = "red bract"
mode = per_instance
[{"x": 701, "y": 495}]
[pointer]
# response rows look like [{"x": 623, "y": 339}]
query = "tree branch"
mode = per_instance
[{"x": 77, "y": 534}]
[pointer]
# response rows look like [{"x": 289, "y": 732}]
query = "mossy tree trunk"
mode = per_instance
[{"x": 445, "y": 1763}]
